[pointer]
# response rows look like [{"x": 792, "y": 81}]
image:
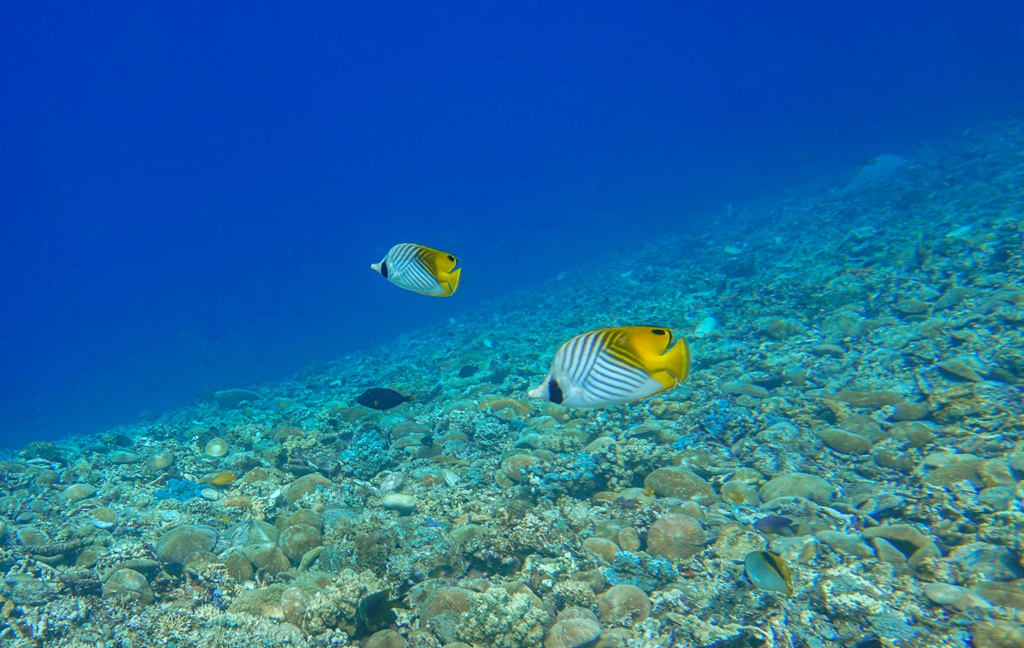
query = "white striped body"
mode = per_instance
[
  {"x": 420, "y": 269},
  {"x": 609, "y": 367}
]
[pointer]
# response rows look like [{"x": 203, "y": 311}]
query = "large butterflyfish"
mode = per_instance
[{"x": 617, "y": 365}]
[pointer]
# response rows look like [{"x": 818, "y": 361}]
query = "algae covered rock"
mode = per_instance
[
  {"x": 175, "y": 546},
  {"x": 305, "y": 485},
  {"x": 130, "y": 584},
  {"x": 676, "y": 481},
  {"x": 250, "y": 532},
  {"x": 268, "y": 557},
  {"x": 845, "y": 442},
  {"x": 77, "y": 492},
  {"x": 795, "y": 484}
]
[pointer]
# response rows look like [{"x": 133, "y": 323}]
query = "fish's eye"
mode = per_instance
[
  {"x": 451, "y": 258},
  {"x": 659, "y": 331},
  {"x": 384, "y": 268}
]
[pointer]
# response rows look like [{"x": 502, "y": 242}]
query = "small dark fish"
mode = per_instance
[
  {"x": 381, "y": 399},
  {"x": 431, "y": 522},
  {"x": 468, "y": 371},
  {"x": 776, "y": 524},
  {"x": 376, "y": 611},
  {"x": 740, "y": 641}
]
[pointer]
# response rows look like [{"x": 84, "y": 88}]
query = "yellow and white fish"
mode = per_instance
[
  {"x": 420, "y": 269},
  {"x": 617, "y": 365}
]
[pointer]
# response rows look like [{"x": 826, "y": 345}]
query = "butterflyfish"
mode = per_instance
[
  {"x": 617, "y": 365},
  {"x": 420, "y": 269},
  {"x": 768, "y": 571}
]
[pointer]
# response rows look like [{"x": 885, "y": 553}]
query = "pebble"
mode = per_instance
[{"x": 401, "y": 502}]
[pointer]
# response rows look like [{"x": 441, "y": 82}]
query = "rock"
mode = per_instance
[
  {"x": 676, "y": 481},
  {"x": 128, "y": 583},
  {"x": 915, "y": 434},
  {"x": 845, "y": 543},
  {"x": 1002, "y": 594},
  {"x": 845, "y": 442},
  {"x": 175, "y": 546},
  {"x": 957, "y": 471},
  {"x": 893, "y": 460},
  {"x": 401, "y": 502},
  {"x": 746, "y": 389},
  {"x": 998, "y": 634},
  {"x": 602, "y": 547},
  {"x": 888, "y": 553},
  {"x": 77, "y": 492},
  {"x": 954, "y": 596},
  {"x": 784, "y": 328},
  {"x": 961, "y": 368},
  {"x": 911, "y": 542},
  {"x": 801, "y": 549},
  {"x": 232, "y": 398},
  {"x": 305, "y": 485},
  {"x": 810, "y": 487},
  {"x": 832, "y": 350},
  {"x": 910, "y": 412},
  {"x": 997, "y": 472},
  {"x": 868, "y": 400}
]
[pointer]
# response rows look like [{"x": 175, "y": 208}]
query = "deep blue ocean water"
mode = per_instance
[{"x": 191, "y": 193}]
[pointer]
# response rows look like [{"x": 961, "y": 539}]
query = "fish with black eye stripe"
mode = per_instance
[
  {"x": 420, "y": 269},
  {"x": 611, "y": 366}
]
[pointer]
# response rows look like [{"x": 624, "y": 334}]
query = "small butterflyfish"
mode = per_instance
[
  {"x": 617, "y": 365},
  {"x": 768, "y": 571},
  {"x": 420, "y": 269}
]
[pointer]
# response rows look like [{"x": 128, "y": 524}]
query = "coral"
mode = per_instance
[
  {"x": 175, "y": 546},
  {"x": 367, "y": 453},
  {"x": 179, "y": 490},
  {"x": 625, "y": 605},
  {"x": 575, "y": 475},
  {"x": 502, "y": 619},
  {"x": 640, "y": 570},
  {"x": 335, "y": 606},
  {"x": 675, "y": 538}
]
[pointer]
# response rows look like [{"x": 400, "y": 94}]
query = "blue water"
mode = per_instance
[{"x": 192, "y": 192}]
